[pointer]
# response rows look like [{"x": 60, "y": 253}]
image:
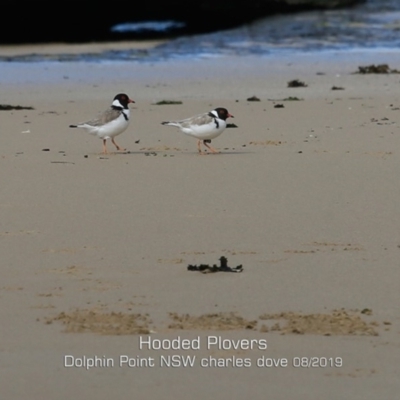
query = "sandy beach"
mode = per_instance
[{"x": 95, "y": 248}]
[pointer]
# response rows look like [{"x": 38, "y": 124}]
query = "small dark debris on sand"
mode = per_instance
[
  {"x": 296, "y": 83},
  {"x": 290, "y": 98},
  {"x": 376, "y": 69},
  {"x": 279, "y": 106},
  {"x": 366, "y": 311},
  {"x": 8, "y": 107},
  {"x": 337, "y": 88},
  {"x": 253, "y": 98},
  {"x": 205, "y": 268},
  {"x": 166, "y": 102},
  {"x": 231, "y": 126}
]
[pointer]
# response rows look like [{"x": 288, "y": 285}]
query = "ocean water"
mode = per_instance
[{"x": 372, "y": 25}]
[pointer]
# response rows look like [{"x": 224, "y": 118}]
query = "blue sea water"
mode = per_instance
[{"x": 373, "y": 25}]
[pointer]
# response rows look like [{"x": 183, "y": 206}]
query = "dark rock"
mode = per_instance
[{"x": 204, "y": 16}]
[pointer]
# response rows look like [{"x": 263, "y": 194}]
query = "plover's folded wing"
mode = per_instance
[
  {"x": 201, "y": 119},
  {"x": 104, "y": 118}
]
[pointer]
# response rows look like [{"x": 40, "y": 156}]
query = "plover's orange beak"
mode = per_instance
[
  {"x": 230, "y": 115},
  {"x": 130, "y": 101}
]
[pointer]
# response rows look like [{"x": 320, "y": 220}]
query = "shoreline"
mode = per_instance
[
  {"x": 224, "y": 66},
  {"x": 81, "y": 48}
]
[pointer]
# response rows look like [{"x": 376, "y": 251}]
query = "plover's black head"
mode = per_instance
[
  {"x": 221, "y": 113},
  {"x": 121, "y": 100}
]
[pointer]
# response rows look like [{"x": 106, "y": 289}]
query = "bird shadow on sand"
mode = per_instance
[
  {"x": 232, "y": 152},
  {"x": 151, "y": 153},
  {"x": 220, "y": 154},
  {"x": 117, "y": 153}
]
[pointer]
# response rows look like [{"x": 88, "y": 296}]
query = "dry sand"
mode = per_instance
[{"x": 94, "y": 249}]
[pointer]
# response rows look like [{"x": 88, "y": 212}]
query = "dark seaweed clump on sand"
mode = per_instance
[
  {"x": 8, "y": 107},
  {"x": 376, "y": 69},
  {"x": 295, "y": 83},
  {"x": 223, "y": 267}
]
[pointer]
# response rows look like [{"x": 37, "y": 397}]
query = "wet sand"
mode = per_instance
[{"x": 95, "y": 248}]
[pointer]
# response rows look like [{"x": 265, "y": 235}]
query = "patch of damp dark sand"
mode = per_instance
[
  {"x": 266, "y": 143},
  {"x": 222, "y": 321},
  {"x": 154, "y": 149},
  {"x": 338, "y": 322},
  {"x": 112, "y": 323}
]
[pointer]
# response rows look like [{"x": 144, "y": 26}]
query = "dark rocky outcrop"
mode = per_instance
[{"x": 43, "y": 21}]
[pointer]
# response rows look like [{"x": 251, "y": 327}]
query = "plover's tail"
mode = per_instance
[{"x": 170, "y": 123}]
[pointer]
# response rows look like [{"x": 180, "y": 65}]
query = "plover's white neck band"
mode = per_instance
[
  {"x": 116, "y": 103},
  {"x": 213, "y": 112}
]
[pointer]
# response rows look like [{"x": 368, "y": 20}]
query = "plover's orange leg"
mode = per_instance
[
  {"x": 104, "y": 146},
  {"x": 199, "y": 147},
  {"x": 115, "y": 144},
  {"x": 211, "y": 148}
]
